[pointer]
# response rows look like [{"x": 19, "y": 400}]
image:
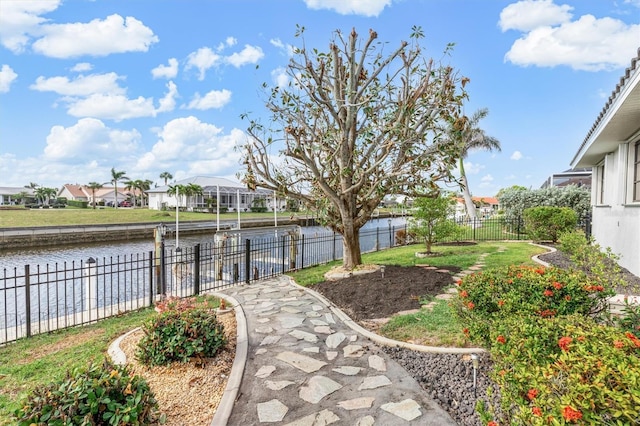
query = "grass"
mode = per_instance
[
  {"x": 39, "y": 360},
  {"x": 74, "y": 216},
  {"x": 439, "y": 326}
]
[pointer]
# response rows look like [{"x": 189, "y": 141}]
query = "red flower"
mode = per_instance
[
  {"x": 548, "y": 293},
  {"x": 633, "y": 338},
  {"x": 492, "y": 423},
  {"x": 618, "y": 344},
  {"x": 532, "y": 394},
  {"x": 557, "y": 285},
  {"x": 470, "y": 305},
  {"x": 540, "y": 271},
  {"x": 500, "y": 302},
  {"x": 564, "y": 343},
  {"x": 458, "y": 282},
  {"x": 464, "y": 294},
  {"x": 501, "y": 339},
  {"x": 570, "y": 414},
  {"x": 567, "y": 298},
  {"x": 536, "y": 411},
  {"x": 547, "y": 313},
  {"x": 465, "y": 331},
  {"x": 502, "y": 372}
]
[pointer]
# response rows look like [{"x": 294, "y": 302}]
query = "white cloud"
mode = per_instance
[
  {"x": 89, "y": 139},
  {"x": 248, "y": 55},
  {"x": 82, "y": 67},
  {"x": 20, "y": 19},
  {"x": 527, "y": 15},
  {"x": 168, "y": 102},
  {"x": 185, "y": 139},
  {"x": 231, "y": 41},
  {"x": 7, "y": 76},
  {"x": 550, "y": 38},
  {"x": 202, "y": 59},
  {"x": 350, "y": 7},
  {"x": 114, "y": 34},
  {"x": 517, "y": 155},
  {"x": 472, "y": 168},
  {"x": 213, "y": 99},
  {"x": 81, "y": 85},
  {"x": 486, "y": 181},
  {"x": 280, "y": 77},
  {"x": 287, "y": 49},
  {"x": 166, "y": 71}
]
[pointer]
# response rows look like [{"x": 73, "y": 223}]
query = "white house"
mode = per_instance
[
  {"x": 9, "y": 194},
  {"x": 233, "y": 195},
  {"x": 612, "y": 150}
]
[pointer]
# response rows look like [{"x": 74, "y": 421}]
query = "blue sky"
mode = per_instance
[{"x": 148, "y": 86}]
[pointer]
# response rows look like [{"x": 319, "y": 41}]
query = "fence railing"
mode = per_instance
[{"x": 39, "y": 299}]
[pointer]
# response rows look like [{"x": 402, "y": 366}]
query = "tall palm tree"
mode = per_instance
[
  {"x": 44, "y": 194},
  {"x": 193, "y": 190},
  {"x": 467, "y": 135},
  {"x": 115, "y": 177},
  {"x": 93, "y": 186},
  {"x": 178, "y": 190},
  {"x": 139, "y": 185},
  {"x": 166, "y": 176}
]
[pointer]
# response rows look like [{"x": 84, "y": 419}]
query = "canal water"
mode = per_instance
[{"x": 52, "y": 255}]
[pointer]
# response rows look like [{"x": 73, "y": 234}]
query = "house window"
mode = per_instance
[
  {"x": 636, "y": 172},
  {"x": 600, "y": 184}
]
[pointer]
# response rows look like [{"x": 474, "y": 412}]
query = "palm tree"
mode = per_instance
[
  {"x": 141, "y": 186},
  {"x": 44, "y": 194},
  {"x": 192, "y": 190},
  {"x": 93, "y": 186},
  {"x": 466, "y": 135},
  {"x": 166, "y": 176},
  {"x": 115, "y": 177},
  {"x": 177, "y": 190}
]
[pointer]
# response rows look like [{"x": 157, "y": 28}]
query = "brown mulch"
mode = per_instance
[
  {"x": 188, "y": 394},
  {"x": 372, "y": 295}
]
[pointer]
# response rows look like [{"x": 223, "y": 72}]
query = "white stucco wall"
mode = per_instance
[{"x": 618, "y": 227}]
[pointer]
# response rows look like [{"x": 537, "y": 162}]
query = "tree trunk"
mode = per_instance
[
  {"x": 352, "y": 256},
  {"x": 466, "y": 194}
]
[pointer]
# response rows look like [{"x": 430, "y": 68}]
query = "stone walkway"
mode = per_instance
[{"x": 305, "y": 366}]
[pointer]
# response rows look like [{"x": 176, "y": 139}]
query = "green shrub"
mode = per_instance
[
  {"x": 572, "y": 241},
  {"x": 547, "y": 223},
  {"x": 77, "y": 203},
  {"x": 566, "y": 370},
  {"x": 181, "y": 331},
  {"x": 100, "y": 395},
  {"x": 488, "y": 297}
]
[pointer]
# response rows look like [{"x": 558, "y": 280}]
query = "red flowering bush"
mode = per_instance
[
  {"x": 566, "y": 370},
  {"x": 497, "y": 294}
]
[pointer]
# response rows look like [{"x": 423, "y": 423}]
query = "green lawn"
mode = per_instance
[{"x": 75, "y": 216}]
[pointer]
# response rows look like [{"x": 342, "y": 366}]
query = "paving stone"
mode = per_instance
[
  {"x": 444, "y": 296},
  {"x": 317, "y": 307},
  {"x": 290, "y": 309},
  {"x": 353, "y": 338},
  {"x": 270, "y": 340},
  {"x": 261, "y": 351},
  {"x": 408, "y": 312},
  {"x": 452, "y": 290},
  {"x": 329, "y": 318},
  {"x": 352, "y": 351},
  {"x": 475, "y": 268},
  {"x": 377, "y": 363},
  {"x": 334, "y": 340},
  {"x": 278, "y": 385},
  {"x": 301, "y": 362},
  {"x": 265, "y": 371},
  {"x": 271, "y": 411},
  {"x": 443, "y": 271},
  {"x": 374, "y": 382},
  {"x": 263, "y": 320},
  {"x": 366, "y": 421},
  {"x": 313, "y": 349},
  {"x": 317, "y": 388},
  {"x": 289, "y": 322},
  {"x": 318, "y": 322},
  {"x": 323, "y": 329},
  {"x": 270, "y": 290},
  {"x": 357, "y": 403},
  {"x": 331, "y": 355},
  {"x": 324, "y": 417},
  {"x": 303, "y": 335},
  {"x": 313, "y": 314},
  {"x": 407, "y": 409},
  {"x": 264, "y": 330},
  {"x": 288, "y": 299},
  {"x": 250, "y": 297},
  {"x": 348, "y": 370}
]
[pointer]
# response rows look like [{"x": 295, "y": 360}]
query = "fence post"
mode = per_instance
[
  {"x": 334, "y": 246},
  {"x": 27, "y": 296},
  {"x": 518, "y": 228},
  {"x": 474, "y": 228},
  {"x": 377, "y": 238},
  {"x": 91, "y": 285},
  {"x": 247, "y": 260},
  {"x": 196, "y": 269},
  {"x": 283, "y": 254},
  {"x": 302, "y": 257},
  {"x": 163, "y": 272},
  {"x": 151, "y": 261}
]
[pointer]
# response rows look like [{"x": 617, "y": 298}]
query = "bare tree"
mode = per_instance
[{"x": 354, "y": 124}]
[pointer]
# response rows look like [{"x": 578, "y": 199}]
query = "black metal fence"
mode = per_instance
[{"x": 40, "y": 299}]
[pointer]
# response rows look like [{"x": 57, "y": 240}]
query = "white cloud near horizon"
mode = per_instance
[
  {"x": 369, "y": 8},
  {"x": 551, "y": 37},
  {"x": 517, "y": 155},
  {"x": 211, "y": 100},
  {"x": 82, "y": 85},
  {"x": 20, "y": 19},
  {"x": 7, "y": 77},
  {"x": 82, "y": 67}
]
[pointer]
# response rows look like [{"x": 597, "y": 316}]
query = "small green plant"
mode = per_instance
[
  {"x": 566, "y": 370},
  {"x": 488, "y": 297},
  {"x": 103, "y": 394},
  {"x": 547, "y": 223},
  {"x": 182, "y": 330},
  {"x": 431, "y": 220}
]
